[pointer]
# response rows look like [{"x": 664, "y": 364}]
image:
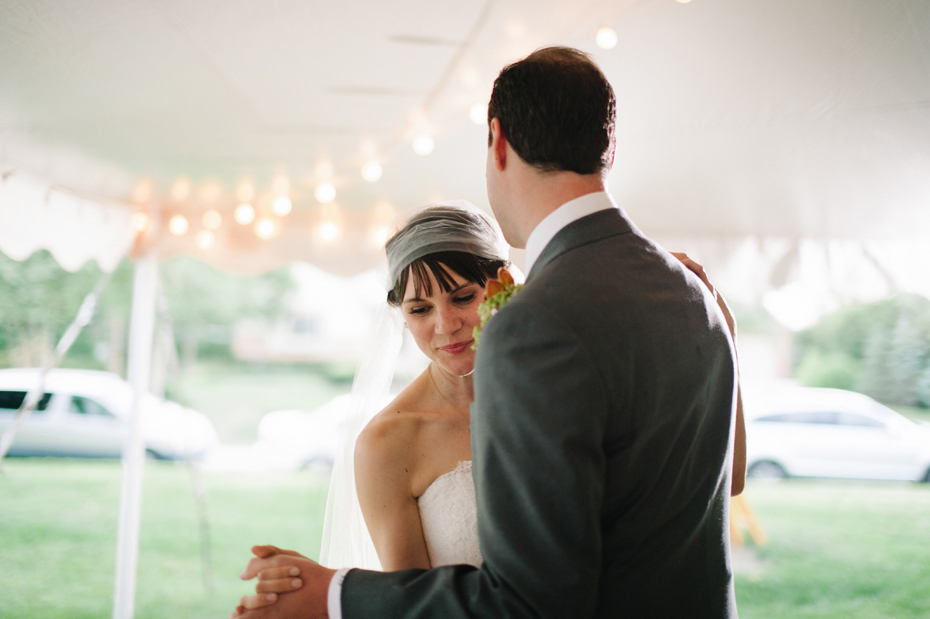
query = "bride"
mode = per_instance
[
  {"x": 402, "y": 494},
  {"x": 413, "y": 460}
]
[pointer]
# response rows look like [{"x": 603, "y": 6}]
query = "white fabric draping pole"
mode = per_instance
[{"x": 141, "y": 335}]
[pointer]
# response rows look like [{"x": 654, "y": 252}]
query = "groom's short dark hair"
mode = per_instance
[{"x": 557, "y": 111}]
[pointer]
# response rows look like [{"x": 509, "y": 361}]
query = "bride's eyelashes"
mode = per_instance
[{"x": 465, "y": 298}]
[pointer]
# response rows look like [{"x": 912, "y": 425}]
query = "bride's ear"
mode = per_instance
[{"x": 498, "y": 145}]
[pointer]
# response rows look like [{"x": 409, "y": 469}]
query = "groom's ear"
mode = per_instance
[{"x": 498, "y": 145}]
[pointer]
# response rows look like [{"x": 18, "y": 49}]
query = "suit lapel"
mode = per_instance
[{"x": 588, "y": 229}]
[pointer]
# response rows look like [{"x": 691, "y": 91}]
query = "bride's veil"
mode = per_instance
[{"x": 346, "y": 541}]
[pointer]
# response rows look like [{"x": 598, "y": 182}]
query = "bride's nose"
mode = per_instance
[{"x": 447, "y": 321}]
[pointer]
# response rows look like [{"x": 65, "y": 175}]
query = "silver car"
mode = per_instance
[
  {"x": 812, "y": 432},
  {"x": 85, "y": 413}
]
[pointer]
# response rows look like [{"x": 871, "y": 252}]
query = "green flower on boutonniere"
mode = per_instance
[{"x": 497, "y": 294}]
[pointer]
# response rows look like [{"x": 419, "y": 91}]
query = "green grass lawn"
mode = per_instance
[
  {"x": 850, "y": 550},
  {"x": 840, "y": 550},
  {"x": 58, "y": 536}
]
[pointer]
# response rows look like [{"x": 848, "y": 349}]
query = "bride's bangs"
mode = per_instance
[{"x": 442, "y": 264}]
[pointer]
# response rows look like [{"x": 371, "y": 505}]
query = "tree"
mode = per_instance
[{"x": 881, "y": 349}]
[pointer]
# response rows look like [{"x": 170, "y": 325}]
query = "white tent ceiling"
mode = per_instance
[{"x": 773, "y": 118}]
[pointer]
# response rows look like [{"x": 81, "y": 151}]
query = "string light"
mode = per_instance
[
  {"x": 423, "y": 144},
  {"x": 212, "y": 220},
  {"x": 140, "y": 222},
  {"x": 380, "y": 236},
  {"x": 329, "y": 231},
  {"x": 372, "y": 171},
  {"x": 325, "y": 193},
  {"x": 479, "y": 113},
  {"x": 607, "y": 39},
  {"x": 281, "y": 206},
  {"x": 264, "y": 228},
  {"x": 205, "y": 239},
  {"x": 180, "y": 189},
  {"x": 244, "y": 214},
  {"x": 178, "y": 225}
]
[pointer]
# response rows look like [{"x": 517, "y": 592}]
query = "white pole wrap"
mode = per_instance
[{"x": 141, "y": 331}]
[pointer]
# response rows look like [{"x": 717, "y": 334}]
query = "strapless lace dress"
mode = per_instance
[{"x": 449, "y": 516}]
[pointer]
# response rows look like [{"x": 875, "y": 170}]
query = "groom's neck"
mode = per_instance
[{"x": 537, "y": 195}]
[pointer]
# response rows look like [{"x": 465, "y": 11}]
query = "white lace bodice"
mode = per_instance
[{"x": 449, "y": 516}]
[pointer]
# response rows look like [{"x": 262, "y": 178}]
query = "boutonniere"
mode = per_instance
[{"x": 498, "y": 292}]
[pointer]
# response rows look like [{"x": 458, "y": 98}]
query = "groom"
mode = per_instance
[{"x": 604, "y": 399}]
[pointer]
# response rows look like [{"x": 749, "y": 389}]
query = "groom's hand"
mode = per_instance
[{"x": 308, "y": 602}]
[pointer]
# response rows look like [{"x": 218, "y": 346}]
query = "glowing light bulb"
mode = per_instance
[
  {"x": 180, "y": 189},
  {"x": 423, "y": 144},
  {"x": 372, "y": 171},
  {"x": 380, "y": 236},
  {"x": 178, "y": 225},
  {"x": 479, "y": 113},
  {"x": 244, "y": 214},
  {"x": 606, "y": 38},
  {"x": 329, "y": 231},
  {"x": 205, "y": 239},
  {"x": 264, "y": 228},
  {"x": 281, "y": 206},
  {"x": 325, "y": 193},
  {"x": 140, "y": 222}
]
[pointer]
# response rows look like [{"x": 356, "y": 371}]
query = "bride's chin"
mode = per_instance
[{"x": 459, "y": 370}]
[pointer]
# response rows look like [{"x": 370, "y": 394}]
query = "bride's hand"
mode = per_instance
[
  {"x": 271, "y": 581},
  {"x": 739, "y": 446},
  {"x": 698, "y": 270}
]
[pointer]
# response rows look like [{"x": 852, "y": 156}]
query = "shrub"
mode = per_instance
[{"x": 881, "y": 349}]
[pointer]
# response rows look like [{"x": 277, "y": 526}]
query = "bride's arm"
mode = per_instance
[
  {"x": 384, "y": 460},
  {"x": 739, "y": 445}
]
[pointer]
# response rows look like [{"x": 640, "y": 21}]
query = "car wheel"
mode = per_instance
[{"x": 766, "y": 469}]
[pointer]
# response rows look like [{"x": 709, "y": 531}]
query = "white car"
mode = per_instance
[
  {"x": 85, "y": 413},
  {"x": 811, "y": 432}
]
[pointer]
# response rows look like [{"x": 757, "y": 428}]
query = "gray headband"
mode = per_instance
[{"x": 447, "y": 226}]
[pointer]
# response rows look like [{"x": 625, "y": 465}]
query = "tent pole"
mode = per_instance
[{"x": 141, "y": 331}]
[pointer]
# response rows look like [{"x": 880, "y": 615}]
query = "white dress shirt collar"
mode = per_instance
[{"x": 571, "y": 211}]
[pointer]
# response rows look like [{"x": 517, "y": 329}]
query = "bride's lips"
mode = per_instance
[{"x": 454, "y": 349}]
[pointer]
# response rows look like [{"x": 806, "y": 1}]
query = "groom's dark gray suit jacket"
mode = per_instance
[{"x": 604, "y": 398}]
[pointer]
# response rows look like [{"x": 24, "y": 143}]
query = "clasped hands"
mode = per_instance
[{"x": 290, "y": 586}]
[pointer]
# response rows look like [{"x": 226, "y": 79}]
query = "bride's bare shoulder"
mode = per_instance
[{"x": 391, "y": 435}]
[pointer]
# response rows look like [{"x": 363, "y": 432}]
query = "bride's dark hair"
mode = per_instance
[
  {"x": 473, "y": 268},
  {"x": 422, "y": 230}
]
